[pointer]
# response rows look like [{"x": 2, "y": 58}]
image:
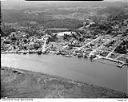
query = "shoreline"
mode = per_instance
[
  {"x": 18, "y": 83},
  {"x": 120, "y": 63}
]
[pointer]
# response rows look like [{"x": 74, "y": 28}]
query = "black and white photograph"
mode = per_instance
[{"x": 64, "y": 49}]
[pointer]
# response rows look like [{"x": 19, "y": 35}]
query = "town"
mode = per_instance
[{"x": 81, "y": 43}]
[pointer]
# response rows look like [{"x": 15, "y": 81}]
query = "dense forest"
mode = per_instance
[{"x": 32, "y": 20}]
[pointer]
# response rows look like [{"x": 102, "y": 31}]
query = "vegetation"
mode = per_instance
[
  {"x": 108, "y": 19},
  {"x": 122, "y": 48}
]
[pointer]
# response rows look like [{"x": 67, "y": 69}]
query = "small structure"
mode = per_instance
[
  {"x": 88, "y": 23},
  {"x": 65, "y": 33}
]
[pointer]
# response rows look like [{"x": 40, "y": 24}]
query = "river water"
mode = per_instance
[{"x": 105, "y": 75}]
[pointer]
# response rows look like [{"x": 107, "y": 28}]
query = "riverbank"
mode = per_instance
[
  {"x": 92, "y": 49},
  {"x": 17, "y": 83},
  {"x": 120, "y": 63}
]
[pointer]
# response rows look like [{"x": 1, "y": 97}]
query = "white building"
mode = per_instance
[{"x": 65, "y": 33}]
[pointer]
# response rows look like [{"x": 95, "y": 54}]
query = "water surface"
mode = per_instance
[{"x": 100, "y": 74}]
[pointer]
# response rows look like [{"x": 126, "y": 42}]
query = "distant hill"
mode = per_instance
[{"x": 66, "y": 14}]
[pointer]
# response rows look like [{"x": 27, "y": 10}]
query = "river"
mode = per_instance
[{"x": 105, "y": 75}]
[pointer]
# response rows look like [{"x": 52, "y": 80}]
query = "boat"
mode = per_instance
[
  {"x": 24, "y": 52},
  {"x": 39, "y": 52},
  {"x": 68, "y": 55},
  {"x": 120, "y": 66},
  {"x": 30, "y": 52},
  {"x": 79, "y": 56}
]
